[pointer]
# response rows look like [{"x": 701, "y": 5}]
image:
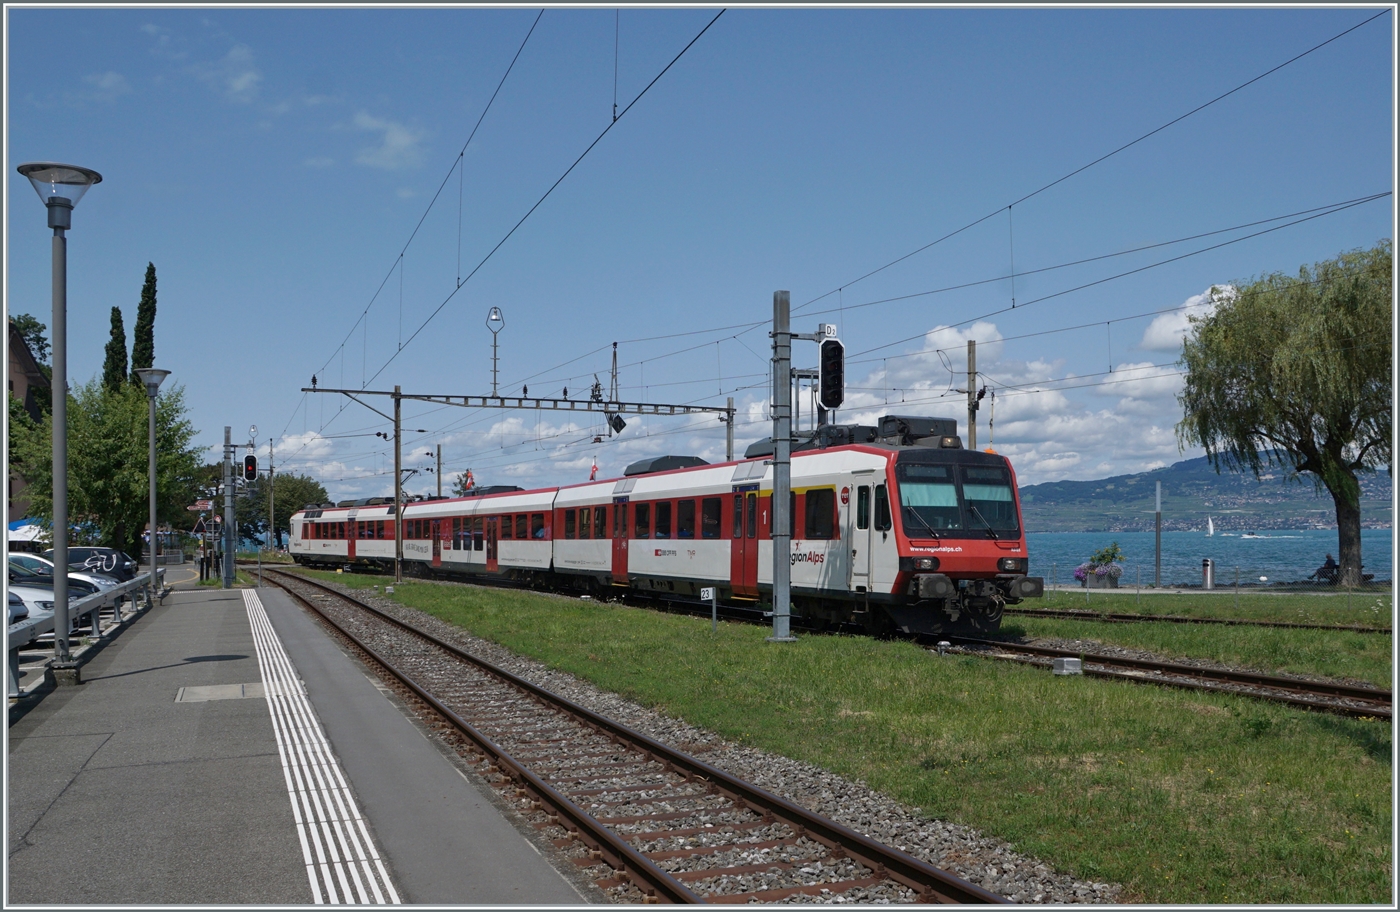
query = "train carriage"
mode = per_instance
[{"x": 894, "y": 527}]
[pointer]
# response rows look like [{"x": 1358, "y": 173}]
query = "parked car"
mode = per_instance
[
  {"x": 18, "y": 609},
  {"x": 100, "y": 560},
  {"x": 76, "y": 585},
  {"x": 38, "y": 600},
  {"x": 44, "y": 567}
]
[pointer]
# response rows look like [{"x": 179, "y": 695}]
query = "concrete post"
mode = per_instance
[
  {"x": 781, "y": 532},
  {"x": 227, "y": 574},
  {"x": 972, "y": 394},
  {"x": 398, "y": 488}
]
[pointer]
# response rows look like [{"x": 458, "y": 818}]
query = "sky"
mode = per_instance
[{"x": 298, "y": 178}]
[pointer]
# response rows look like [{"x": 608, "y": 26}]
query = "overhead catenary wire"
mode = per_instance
[
  {"x": 1100, "y": 159},
  {"x": 540, "y": 201}
]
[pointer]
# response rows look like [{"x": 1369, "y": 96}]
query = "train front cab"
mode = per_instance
[{"x": 956, "y": 519}]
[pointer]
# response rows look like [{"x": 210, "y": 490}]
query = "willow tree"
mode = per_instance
[{"x": 1295, "y": 372}]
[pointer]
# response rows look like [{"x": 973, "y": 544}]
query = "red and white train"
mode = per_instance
[{"x": 904, "y": 530}]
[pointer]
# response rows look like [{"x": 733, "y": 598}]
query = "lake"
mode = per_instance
[{"x": 1281, "y": 555}]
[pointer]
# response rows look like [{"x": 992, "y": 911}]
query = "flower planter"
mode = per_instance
[{"x": 1102, "y": 582}]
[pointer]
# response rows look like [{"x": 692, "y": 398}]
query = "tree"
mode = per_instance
[
  {"x": 108, "y": 492},
  {"x": 33, "y": 332},
  {"x": 291, "y": 493},
  {"x": 114, "y": 364},
  {"x": 143, "y": 344},
  {"x": 1296, "y": 372},
  {"x": 462, "y": 484}
]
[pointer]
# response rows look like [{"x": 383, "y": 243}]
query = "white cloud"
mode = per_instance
[
  {"x": 1166, "y": 331},
  {"x": 398, "y": 147},
  {"x": 235, "y": 75},
  {"x": 405, "y": 193},
  {"x": 108, "y": 86}
]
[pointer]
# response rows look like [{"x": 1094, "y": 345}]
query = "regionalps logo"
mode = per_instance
[
  {"x": 808, "y": 557},
  {"x": 660, "y": 552}
]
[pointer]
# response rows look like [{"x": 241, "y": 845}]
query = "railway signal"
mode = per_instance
[
  {"x": 831, "y": 374},
  {"x": 250, "y": 467}
]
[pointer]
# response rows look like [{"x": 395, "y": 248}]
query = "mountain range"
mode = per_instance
[{"x": 1192, "y": 491}]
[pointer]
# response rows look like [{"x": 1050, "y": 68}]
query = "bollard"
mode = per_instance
[
  {"x": 1068, "y": 667},
  {"x": 1207, "y": 574},
  {"x": 943, "y": 647}
]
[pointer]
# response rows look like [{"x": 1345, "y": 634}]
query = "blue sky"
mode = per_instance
[{"x": 273, "y": 164}]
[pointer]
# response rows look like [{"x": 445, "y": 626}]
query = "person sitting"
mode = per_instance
[{"x": 1327, "y": 573}]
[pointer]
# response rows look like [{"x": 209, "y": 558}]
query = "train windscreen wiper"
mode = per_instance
[
  {"x": 978, "y": 514},
  {"x": 910, "y": 511}
]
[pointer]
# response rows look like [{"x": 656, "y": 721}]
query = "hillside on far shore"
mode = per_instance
[{"x": 1191, "y": 492}]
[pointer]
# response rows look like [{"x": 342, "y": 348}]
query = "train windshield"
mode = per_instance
[{"x": 961, "y": 501}]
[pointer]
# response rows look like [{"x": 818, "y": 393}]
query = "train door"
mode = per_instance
[
  {"x": 743, "y": 544},
  {"x": 492, "y": 534},
  {"x": 858, "y": 534},
  {"x": 351, "y": 530},
  {"x": 619, "y": 542},
  {"x": 437, "y": 543}
]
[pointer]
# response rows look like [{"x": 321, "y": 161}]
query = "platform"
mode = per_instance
[{"x": 224, "y": 750}]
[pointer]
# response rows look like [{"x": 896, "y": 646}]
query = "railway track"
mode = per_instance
[
  {"x": 1329, "y": 697},
  {"x": 1178, "y": 619},
  {"x": 646, "y": 822}
]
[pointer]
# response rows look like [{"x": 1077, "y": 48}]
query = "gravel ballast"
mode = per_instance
[{"x": 980, "y": 859}]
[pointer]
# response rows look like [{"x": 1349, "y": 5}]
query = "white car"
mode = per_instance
[
  {"x": 45, "y": 566},
  {"x": 36, "y": 599},
  {"x": 18, "y": 610}
]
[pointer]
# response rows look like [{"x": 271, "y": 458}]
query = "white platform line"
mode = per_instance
[{"x": 335, "y": 845}]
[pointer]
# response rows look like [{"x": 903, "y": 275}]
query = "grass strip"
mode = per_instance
[
  {"x": 1339, "y": 654},
  {"x": 1182, "y": 797},
  {"x": 1368, "y": 609}
]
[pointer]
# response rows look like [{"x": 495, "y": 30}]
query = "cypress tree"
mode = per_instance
[
  {"x": 114, "y": 365},
  {"x": 143, "y": 343}
]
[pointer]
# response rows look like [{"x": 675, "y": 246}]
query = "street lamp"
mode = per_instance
[
  {"x": 152, "y": 377},
  {"x": 494, "y": 322},
  {"x": 60, "y": 187}
]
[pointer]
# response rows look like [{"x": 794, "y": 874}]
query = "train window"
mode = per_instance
[
  {"x": 537, "y": 525},
  {"x": 340, "y": 531},
  {"x": 987, "y": 489},
  {"x": 457, "y": 533},
  {"x": 863, "y": 507},
  {"x": 522, "y": 523},
  {"x": 585, "y": 523},
  {"x": 568, "y": 523},
  {"x": 820, "y": 508},
  {"x": 928, "y": 497},
  {"x": 709, "y": 517},
  {"x": 478, "y": 525},
  {"x": 738, "y": 516},
  {"x": 620, "y": 520},
  {"x": 663, "y": 519},
  {"x": 643, "y": 522},
  {"x": 685, "y": 519},
  {"x": 600, "y": 522},
  {"x": 792, "y": 514},
  {"x": 883, "y": 523},
  {"x": 751, "y": 527},
  {"x": 506, "y": 527}
]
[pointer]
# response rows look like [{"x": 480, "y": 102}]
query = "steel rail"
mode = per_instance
[
  {"x": 933, "y": 884},
  {"x": 1379, "y": 700},
  {"x": 619, "y": 854},
  {"x": 1181, "y": 619}
]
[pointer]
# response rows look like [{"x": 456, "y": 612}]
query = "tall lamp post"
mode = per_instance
[
  {"x": 152, "y": 377},
  {"x": 494, "y": 322},
  {"x": 60, "y": 187}
]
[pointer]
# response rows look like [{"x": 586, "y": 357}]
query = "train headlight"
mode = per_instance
[
  {"x": 925, "y": 563},
  {"x": 1012, "y": 564}
]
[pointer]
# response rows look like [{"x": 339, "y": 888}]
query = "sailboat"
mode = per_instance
[{"x": 1210, "y": 527}]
